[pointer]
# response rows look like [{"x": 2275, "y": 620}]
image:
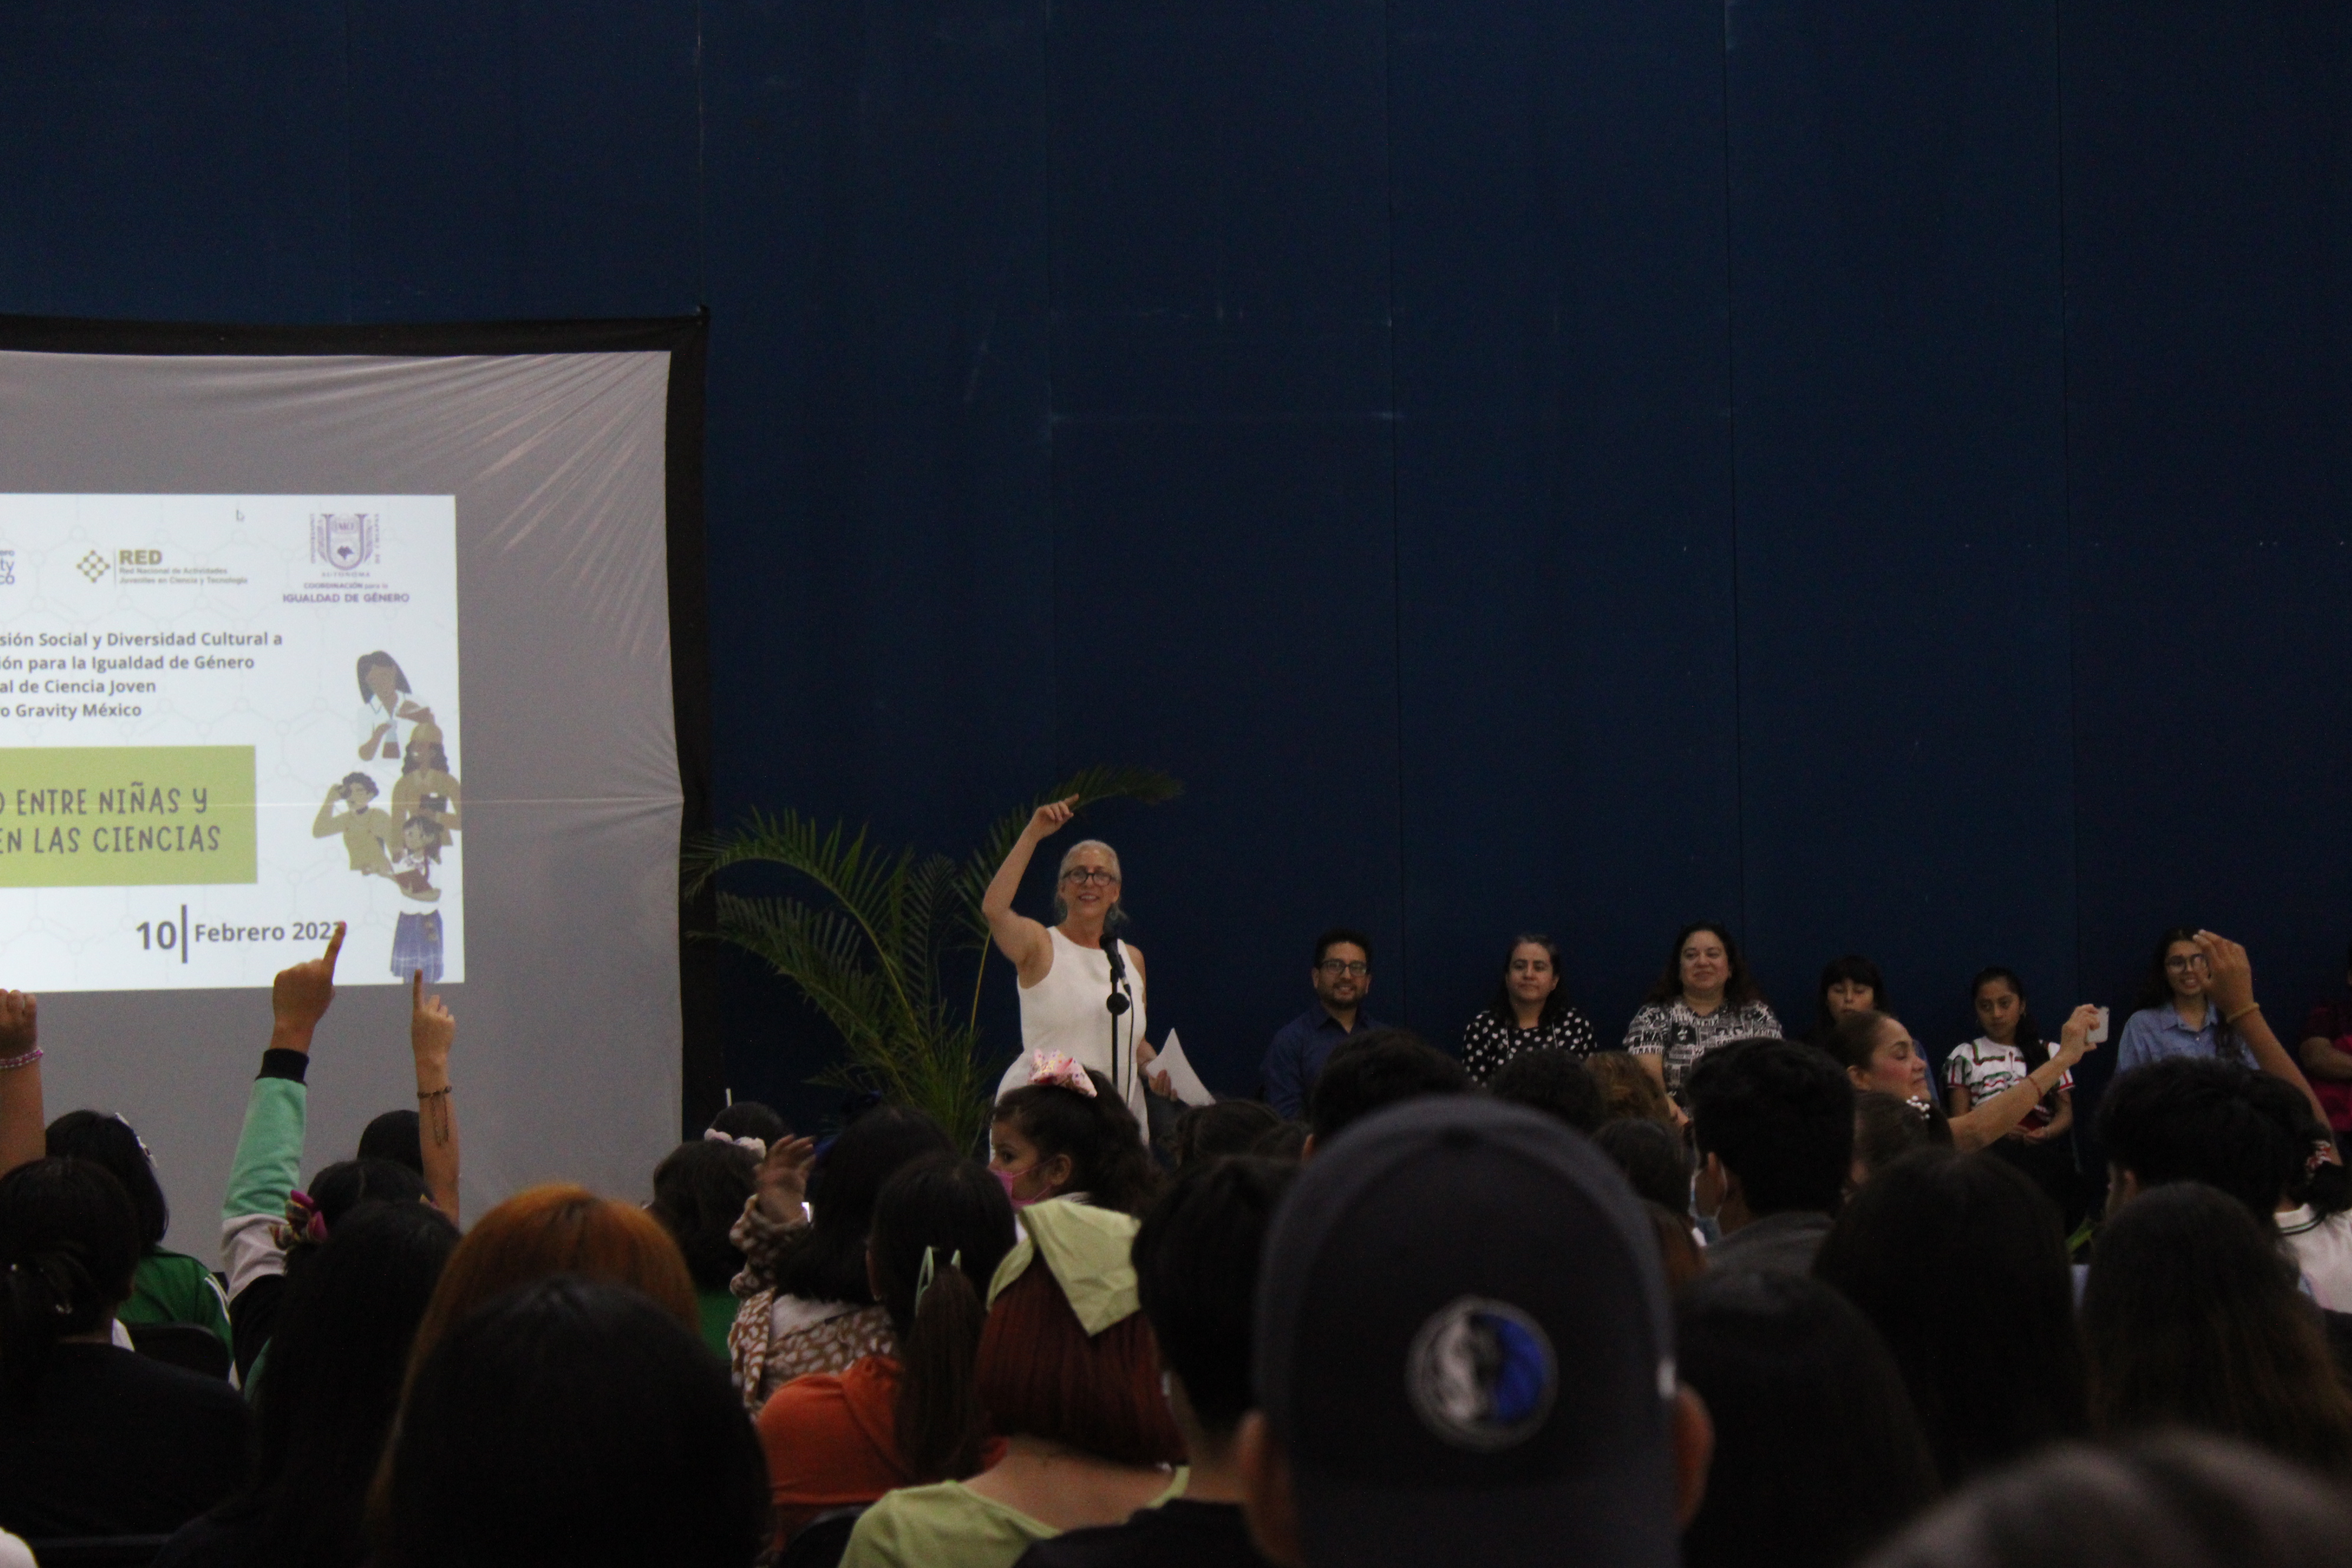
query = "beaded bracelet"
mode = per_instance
[{"x": 10, "y": 1064}]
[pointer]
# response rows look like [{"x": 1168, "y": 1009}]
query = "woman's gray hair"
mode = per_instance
[{"x": 1113, "y": 918}]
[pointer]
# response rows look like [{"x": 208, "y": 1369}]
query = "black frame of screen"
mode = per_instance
[{"x": 703, "y": 1065}]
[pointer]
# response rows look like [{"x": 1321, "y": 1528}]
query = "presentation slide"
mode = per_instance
[{"x": 229, "y": 722}]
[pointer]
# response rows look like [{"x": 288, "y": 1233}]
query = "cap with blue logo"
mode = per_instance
[{"x": 1463, "y": 1347}]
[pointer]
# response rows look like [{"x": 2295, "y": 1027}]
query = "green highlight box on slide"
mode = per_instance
[{"x": 125, "y": 816}]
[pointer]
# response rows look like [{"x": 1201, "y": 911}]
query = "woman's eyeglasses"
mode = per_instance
[{"x": 1090, "y": 876}]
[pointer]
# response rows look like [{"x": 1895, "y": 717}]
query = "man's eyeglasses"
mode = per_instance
[
  {"x": 1355, "y": 966},
  {"x": 1090, "y": 876},
  {"x": 2181, "y": 963}
]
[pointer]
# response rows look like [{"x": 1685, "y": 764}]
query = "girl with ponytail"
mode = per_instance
[
  {"x": 173, "y": 1441},
  {"x": 940, "y": 1226},
  {"x": 1064, "y": 1134}
]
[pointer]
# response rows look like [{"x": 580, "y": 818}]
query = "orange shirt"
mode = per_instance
[{"x": 831, "y": 1444}]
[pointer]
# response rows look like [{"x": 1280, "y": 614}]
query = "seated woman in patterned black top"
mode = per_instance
[{"x": 1529, "y": 1013}]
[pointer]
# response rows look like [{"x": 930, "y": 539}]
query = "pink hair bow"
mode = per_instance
[
  {"x": 303, "y": 1221},
  {"x": 1060, "y": 1072}
]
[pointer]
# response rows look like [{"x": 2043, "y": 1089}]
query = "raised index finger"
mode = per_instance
[{"x": 335, "y": 946}]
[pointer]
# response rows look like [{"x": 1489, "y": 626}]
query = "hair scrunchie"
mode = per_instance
[{"x": 303, "y": 1222}]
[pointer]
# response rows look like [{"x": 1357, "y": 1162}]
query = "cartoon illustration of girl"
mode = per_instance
[
  {"x": 417, "y": 938},
  {"x": 384, "y": 706},
  {"x": 427, "y": 788}
]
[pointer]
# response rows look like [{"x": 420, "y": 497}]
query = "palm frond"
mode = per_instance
[{"x": 1148, "y": 786}]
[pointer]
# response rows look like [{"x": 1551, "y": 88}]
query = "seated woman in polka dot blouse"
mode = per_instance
[{"x": 1529, "y": 1013}]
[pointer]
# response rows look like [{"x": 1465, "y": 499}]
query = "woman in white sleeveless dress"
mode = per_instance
[{"x": 1065, "y": 977}]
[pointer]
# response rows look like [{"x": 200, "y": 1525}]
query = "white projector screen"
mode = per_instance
[{"x": 289, "y": 639}]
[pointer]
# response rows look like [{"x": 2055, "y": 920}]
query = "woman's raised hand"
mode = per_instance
[
  {"x": 2229, "y": 973},
  {"x": 783, "y": 1178},
  {"x": 2075, "y": 1040},
  {"x": 1052, "y": 817},
  {"x": 20, "y": 1023},
  {"x": 300, "y": 995}
]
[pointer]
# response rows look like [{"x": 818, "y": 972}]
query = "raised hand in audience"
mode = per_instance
[
  {"x": 784, "y": 1179},
  {"x": 2229, "y": 990},
  {"x": 431, "y": 1031},
  {"x": 22, "y": 1116},
  {"x": 300, "y": 996}
]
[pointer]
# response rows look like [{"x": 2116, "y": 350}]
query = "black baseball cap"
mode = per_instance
[{"x": 1465, "y": 1347}]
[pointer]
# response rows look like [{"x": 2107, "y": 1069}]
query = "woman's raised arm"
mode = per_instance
[
  {"x": 1985, "y": 1125},
  {"x": 1018, "y": 937},
  {"x": 24, "y": 1127}
]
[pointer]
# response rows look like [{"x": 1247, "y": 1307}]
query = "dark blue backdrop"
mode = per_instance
[{"x": 1879, "y": 476}]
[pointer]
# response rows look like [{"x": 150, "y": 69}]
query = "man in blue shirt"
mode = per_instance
[{"x": 1341, "y": 975}]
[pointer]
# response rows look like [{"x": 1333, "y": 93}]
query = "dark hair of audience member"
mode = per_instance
[
  {"x": 1627, "y": 1089},
  {"x": 2155, "y": 991},
  {"x": 557, "y": 1230},
  {"x": 826, "y": 1261},
  {"x": 1852, "y": 969},
  {"x": 1779, "y": 1116},
  {"x": 1653, "y": 1160},
  {"x": 68, "y": 1246},
  {"x": 750, "y": 1119},
  {"x": 1196, "y": 1267},
  {"x": 1376, "y": 1070},
  {"x": 1678, "y": 1250},
  {"x": 1338, "y": 934},
  {"x": 2322, "y": 1183},
  {"x": 1108, "y": 1161},
  {"x": 2193, "y": 1319},
  {"x": 955, "y": 1210},
  {"x": 1283, "y": 1141},
  {"x": 336, "y": 1362},
  {"x": 397, "y": 1136},
  {"x": 699, "y": 1190},
  {"x": 2174, "y": 1501},
  {"x": 1553, "y": 1082},
  {"x": 1739, "y": 988},
  {"x": 571, "y": 1421},
  {"x": 1040, "y": 1375},
  {"x": 108, "y": 1141},
  {"x": 1818, "y": 1456},
  {"x": 1226, "y": 1127},
  {"x": 1887, "y": 1128},
  {"x": 1942, "y": 1251},
  {"x": 2194, "y": 1119},
  {"x": 1499, "y": 1008}
]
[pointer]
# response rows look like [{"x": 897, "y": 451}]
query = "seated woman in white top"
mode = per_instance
[{"x": 1065, "y": 976}]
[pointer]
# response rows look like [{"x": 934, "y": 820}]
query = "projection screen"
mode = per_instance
[{"x": 385, "y": 637}]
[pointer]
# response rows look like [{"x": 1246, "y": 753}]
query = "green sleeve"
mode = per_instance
[
  {"x": 172, "y": 1287},
  {"x": 269, "y": 1151}
]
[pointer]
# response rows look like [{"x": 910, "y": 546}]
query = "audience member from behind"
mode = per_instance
[
  {"x": 1817, "y": 1454},
  {"x": 2170, "y": 1502},
  {"x": 1886, "y": 1129},
  {"x": 1285, "y": 1140},
  {"x": 1465, "y": 1356},
  {"x": 940, "y": 1227},
  {"x": 1849, "y": 984},
  {"x": 2193, "y": 1319},
  {"x": 1773, "y": 1125},
  {"x": 1341, "y": 977},
  {"x": 1555, "y": 1083},
  {"x": 94, "y": 1440},
  {"x": 2193, "y": 1119},
  {"x": 570, "y": 1421},
  {"x": 2325, "y": 1053},
  {"x": 1225, "y": 1127},
  {"x": 557, "y": 1230},
  {"x": 397, "y": 1136},
  {"x": 1654, "y": 1162},
  {"x": 1064, "y": 1134},
  {"x": 1068, "y": 1377},
  {"x": 168, "y": 1287},
  {"x": 700, "y": 1191},
  {"x": 1196, "y": 1264},
  {"x": 1373, "y": 1072},
  {"x": 2313, "y": 1218},
  {"x": 805, "y": 1301},
  {"x": 1703, "y": 998},
  {"x": 1879, "y": 1053},
  {"x": 748, "y": 1119},
  {"x": 1942, "y": 1250},
  {"x": 1630, "y": 1090},
  {"x": 336, "y": 1365},
  {"x": 1530, "y": 1012}
]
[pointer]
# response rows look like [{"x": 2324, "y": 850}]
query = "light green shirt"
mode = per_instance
[{"x": 951, "y": 1526}]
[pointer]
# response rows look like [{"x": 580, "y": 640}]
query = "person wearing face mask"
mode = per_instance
[
  {"x": 1062, "y": 1134},
  {"x": 1878, "y": 1052},
  {"x": 1705, "y": 997},
  {"x": 1066, "y": 984}
]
